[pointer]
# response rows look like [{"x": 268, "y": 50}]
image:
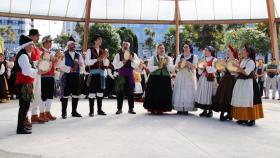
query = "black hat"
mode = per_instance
[
  {"x": 24, "y": 40},
  {"x": 33, "y": 32},
  {"x": 96, "y": 37},
  {"x": 71, "y": 40}
]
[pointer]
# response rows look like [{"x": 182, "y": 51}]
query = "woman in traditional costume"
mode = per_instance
[
  {"x": 158, "y": 97},
  {"x": 207, "y": 83},
  {"x": 185, "y": 82},
  {"x": 246, "y": 100},
  {"x": 222, "y": 99}
]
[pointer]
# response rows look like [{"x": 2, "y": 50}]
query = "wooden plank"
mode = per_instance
[
  {"x": 177, "y": 25},
  {"x": 87, "y": 22},
  {"x": 272, "y": 29}
]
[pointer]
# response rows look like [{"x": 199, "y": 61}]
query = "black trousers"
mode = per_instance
[
  {"x": 128, "y": 90},
  {"x": 22, "y": 112}
]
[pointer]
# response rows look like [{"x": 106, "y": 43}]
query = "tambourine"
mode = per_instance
[
  {"x": 46, "y": 56},
  {"x": 230, "y": 66},
  {"x": 201, "y": 64},
  {"x": 44, "y": 65},
  {"x": 183, "y": 64},
  {"x": 220, "y": 65},
  {"x": 126, "y": 55}
]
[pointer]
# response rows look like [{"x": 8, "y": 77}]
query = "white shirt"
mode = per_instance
[
  {"x": 152, "y": 67},
  {"x": 195, "y": 59},
  {"x": 248, "y": 64},
  {"x": 89, "y": 61},
  {"x": 117, "y": 63},
  {"x": 25, "y": 66},
  {"x": 67, "y": 69},
  {"x": 2, "y": 69}
]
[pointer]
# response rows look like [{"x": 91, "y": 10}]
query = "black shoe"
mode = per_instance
[
  {"x": 209, "y": 114},
  {"x": 180, "y": 112},
  {"x": 101, "y": 113},
  {"x": 222, "y": 118},
  {"x": 28, "y": 128},
  {"x": 266, "y": 98},
  {"x": 76, "y": 114},
  {"x": 119, "y": 112},
  {"x": 273, "y": 98},
  {"x": 241, "y": 122},
  {"x": 131, "y": 111},
  {"x": 64, "y": 117},
  {"x": 228, "y": 117},
  {"x": 90, "y": 114},
  {"x": 204, "y": 113},
  {"x": 251, "y": 123},
  {"x": 23, "y": 131}
]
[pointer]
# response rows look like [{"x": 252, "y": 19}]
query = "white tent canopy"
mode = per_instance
[{"x": 139, "y": 10}]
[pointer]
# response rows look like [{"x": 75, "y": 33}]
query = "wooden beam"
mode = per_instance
[
  {"x": 272, "y": 29},
  {"x": 87, "y": 22},
  {"x": 41, "y": 17},
  {"x": 132, "y": 21},
  {"x": 177, "y": 25},
  {"x": 225, "y": 21}
]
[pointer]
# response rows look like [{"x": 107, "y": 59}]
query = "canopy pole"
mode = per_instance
[
  {"x": 87, "y": 22},
  {"x": 272, "y": 29},
  {"x": 177, "y": 25}
]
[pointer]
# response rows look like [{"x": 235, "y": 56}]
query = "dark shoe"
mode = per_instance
[
  {"x": 90, "y": 114},
  {"x": 273, "y": 98},
  {"x": 101, "y": 113},
  {"x": 209, "y": 114},
  {"x": 76, "y": 114},
  {"x": 241, "y": 122},
  {"x": 23, "y": 132},
  {"x": 64, "y": 117},
  {"x": 203, "y": 114},
  {"x": 266, "y": 98},
  {"x": 180, "y": 112},
  {"x": 228, "y": 117},
  {"x": 251, "y": 123},
  {"x": 119, "y": 112},
  {"x": 131, "y": 111},
  {"x": 222, "y": 117},
  {"x": 28, "y": 128}
]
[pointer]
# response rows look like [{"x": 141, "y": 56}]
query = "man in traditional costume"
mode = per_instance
[
  {"x": 125, "y": 64},
  {"x": 26, "y": 74},
  {"x": 96, "y": 60},
  {"x": 47, "y": 80},
  {"x": 35, "y": 56},
  {"x": 271, "y": 79},
  {"x": 71, "y": 66}
]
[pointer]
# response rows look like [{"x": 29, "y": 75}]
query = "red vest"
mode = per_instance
[
  {"x": 210, "y": 63},
  {"x": 51, "y": 72},
  {"x": 35, "y": 54},
  {"x": 21, "y": 78}
]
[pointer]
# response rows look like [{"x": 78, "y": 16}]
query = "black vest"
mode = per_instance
[
  {"x": 17, "y": 67},
  {"x": 128, "y": 63}
]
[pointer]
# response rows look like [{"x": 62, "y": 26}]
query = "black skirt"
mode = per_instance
[
  {"x": 158, "y": 94},
  {"x": 222, "y": 99},
  {"x": 3, "y": 87},
  {"x": 47, "y": 88},
  {"x": 257, "y": 94}
]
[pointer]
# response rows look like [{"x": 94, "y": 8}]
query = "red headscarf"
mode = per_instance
[{"x": 235, "y": 54}]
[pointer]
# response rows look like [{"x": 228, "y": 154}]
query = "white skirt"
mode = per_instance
[
  {"x": 138, "y": 88},
  {"x": 37, "y": 92},
  {"x": 243, "y": 93},
  {"x": 205, "y": 90},
  {"x": 184, "y": 91}
]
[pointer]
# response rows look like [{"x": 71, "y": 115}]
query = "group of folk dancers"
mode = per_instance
[{"x": 236, "y": 94}]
